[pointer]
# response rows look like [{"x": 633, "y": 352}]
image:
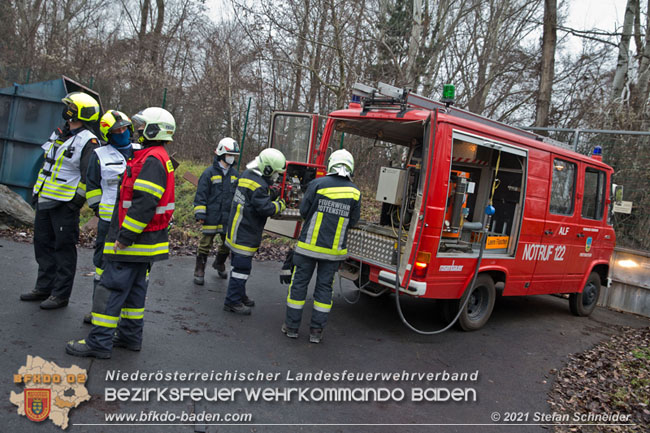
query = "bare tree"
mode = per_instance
[
  {"x": 547, "y": 67},
  {"x": 623, "y": 62}
]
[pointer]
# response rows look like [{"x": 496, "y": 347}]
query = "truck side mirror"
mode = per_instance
[{"x": 618, "y": 194}]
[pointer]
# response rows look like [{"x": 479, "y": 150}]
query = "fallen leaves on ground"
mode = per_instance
[
  {"x": 612, "y": 377},
  {"x": 181, "y": 242}
]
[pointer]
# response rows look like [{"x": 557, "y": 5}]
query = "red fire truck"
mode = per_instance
[{"x": 548, "y": 224}]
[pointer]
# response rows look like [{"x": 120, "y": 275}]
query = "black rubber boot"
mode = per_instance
[
  {"x": 238, "y": 309},
  {"x": 80, "y": 348},
  {"x": 199, "y": 270},
  {"x": 220, "y": 265}
]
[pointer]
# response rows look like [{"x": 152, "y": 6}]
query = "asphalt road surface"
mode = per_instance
[{"x": 186, "y": 330}]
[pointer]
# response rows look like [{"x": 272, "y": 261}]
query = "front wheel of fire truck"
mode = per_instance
[
  {"x": 479, "y": 306},
  {"x": 582, "y": 304}
]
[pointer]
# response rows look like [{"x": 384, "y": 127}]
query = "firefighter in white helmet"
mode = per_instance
[
  {"x": 59, "y": 194},
  {"x": 212, "y": 206},
  {"x": 251, "y": 206},
  {"x": 330, "y": 206},
  {"x": 137, "y": 237}
]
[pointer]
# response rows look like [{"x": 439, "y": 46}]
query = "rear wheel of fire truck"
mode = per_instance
[
  {"x": 582, "y": 304},
  {"x": 479, "y": 307}
]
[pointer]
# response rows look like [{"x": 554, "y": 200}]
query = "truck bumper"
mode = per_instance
[{"x": 416, "y": 288}]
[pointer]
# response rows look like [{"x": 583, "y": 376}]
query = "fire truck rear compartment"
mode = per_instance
[{"x": 372, "y": 244}]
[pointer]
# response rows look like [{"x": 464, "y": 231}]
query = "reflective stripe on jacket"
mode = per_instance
[
  {"x": 213, "y": 197},
  {"x": 251, "y": 206},
  {"x": 111, "y": 165},
  {"x": 330, "y": 206},
  {"x": 60, "y": 177},
  {"x": 145, "y": 207}
]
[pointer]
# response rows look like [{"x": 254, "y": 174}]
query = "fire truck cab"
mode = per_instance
[{"x": 549, "y": 224}]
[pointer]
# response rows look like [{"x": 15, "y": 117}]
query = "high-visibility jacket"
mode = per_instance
[
  {"x": 144, "y": 208},
  {"x": 214, "y": 196},
  {"x": 104, "y": 179},
  {"x": 330, "y": 206},
  {"x": 251, "y": 206},
  {"x": 60, "y": 178}
]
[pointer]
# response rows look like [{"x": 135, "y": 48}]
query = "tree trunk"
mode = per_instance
[
  {"x": 340, "y": 54},
  {"x": 412, "y": 74},
  {"x": 300, "y": 54},
  {"x": 642, "y": 93},
  {"x": 622, "y": 65},
  {"x": 484, "y": 77},
  {"x": 547, "y": 72},
  {"x": 144, "y": 15},
  {"x": 315, "y": 67}
]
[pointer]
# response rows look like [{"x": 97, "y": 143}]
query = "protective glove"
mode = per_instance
[
  {"x": 274, "y": 192},
  {"x": 282, "y": 205},
  {"x": 287, "y": 268}
]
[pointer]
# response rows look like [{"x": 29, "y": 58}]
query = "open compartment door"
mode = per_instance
[{"x": 296, "y": 136}]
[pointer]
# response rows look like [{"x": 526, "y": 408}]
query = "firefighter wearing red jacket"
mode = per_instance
[{"x": 136, "y": 238}]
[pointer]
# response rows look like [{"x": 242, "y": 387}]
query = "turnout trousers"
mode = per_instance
[
  {"x": 241, "y": 269},
  {"x": 56, "y": 233},
  {"x": 205, "y": 245},
  {"x": 118, "y": 305},
  {"x": 304, "y": 268},
  {"x": 98, "y": 255}
]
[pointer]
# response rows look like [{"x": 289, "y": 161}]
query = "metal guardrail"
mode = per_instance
[
  {"x": 630, "y": 288},
  {"x": 631, "y": 267}
]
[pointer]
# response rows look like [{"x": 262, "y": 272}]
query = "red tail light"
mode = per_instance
[{"x": 421, "y": 264}]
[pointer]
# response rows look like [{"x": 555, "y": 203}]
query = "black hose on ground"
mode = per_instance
[{"x": 466, "y": 293}]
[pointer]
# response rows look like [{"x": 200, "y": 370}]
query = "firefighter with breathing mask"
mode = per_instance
[
  {"x": 137, "y": 237},
  {"x": 330, "y": 206},
  {"x": 251, "y": 206},
  {"x": 59, "y": 194},
  {"x": 107, "y": 164},
  {"x": 212, "y": 202}
]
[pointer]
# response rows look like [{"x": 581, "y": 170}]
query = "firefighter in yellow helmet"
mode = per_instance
[
  {"x": 330, "y": 206},
  {"x": 107, "y": 164},
  {"x": 59, "y": 193}
]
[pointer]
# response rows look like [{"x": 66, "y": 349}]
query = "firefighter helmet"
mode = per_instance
[
  {"x": 227, "y": 146},
  {"x": 113, "y": 120},
  {"x": 271, "y": 161},
  {"x": 156, "y": 124},
  {"x": 81, "y": 106},
  {"x": 338, "y": 158}
]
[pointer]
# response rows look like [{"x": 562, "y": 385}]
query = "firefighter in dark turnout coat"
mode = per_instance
[
  {"x": 136, "y": 238},
  {"x": 330, "y": 206},
  {"x": 251, "y": 206},
  {"x": 212, "y": 206},
  {"x": 59, "y": 193}
]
